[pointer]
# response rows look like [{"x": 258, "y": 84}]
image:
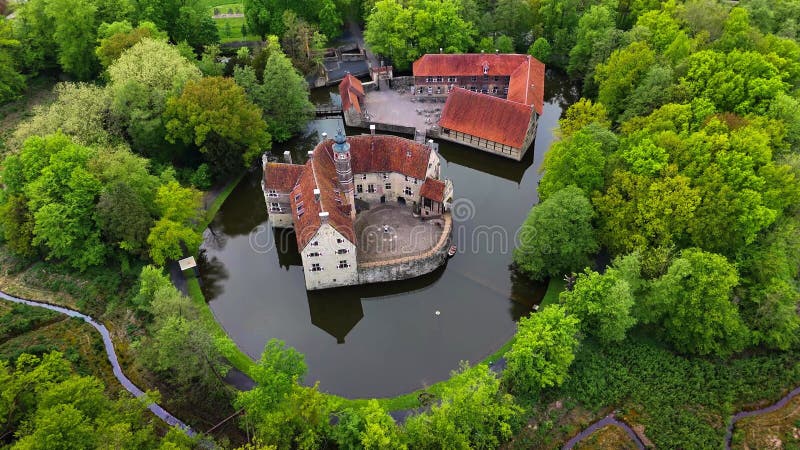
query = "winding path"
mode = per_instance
[
  {"x": 605, "y": 421},
  {"x": 744, "y": 414},
  {"x": 112, "y": 358}
]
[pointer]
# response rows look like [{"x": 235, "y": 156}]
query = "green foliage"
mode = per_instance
[
  {"x": 557, "y": 236},
  {"x": 593, "y": 27},
  {"x": 543, "y": 351},
  {"x": 179, "y": 209},
  {"x": 12, "y": 82},
  {"x": 283, "y": 96},
  {"x": 670, "y": 394},
  {"x": 214, "y": 114},
  {"x": 404, "y": 32},
  {"x": 618, "y": 77},
  {"x": 284, "y": 413},
  {"x": 45, "y": 406},
  {"x": 141, "y": 80},
  {"x": 115, "y": 38},
  {"x": 582, "y": 113},
  {"x": 541, "y": 50},
  {"x": 602, "y": 303},
  {"x": 369, "y": 428},
  {"x": 74, "y": 35},
  {"x": 474, "y": 413},
  {"x": 692, "y": 301},
  {"x": 183, "y": 20},
  {"x": 80, "y": 111},
  {"x": 578, "y": 160}
]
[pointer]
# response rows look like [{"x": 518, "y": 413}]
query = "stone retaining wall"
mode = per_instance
[{"x": 409, "y": 266}]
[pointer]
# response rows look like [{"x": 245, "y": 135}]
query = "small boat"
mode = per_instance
[{"x": 452, "y": 251}]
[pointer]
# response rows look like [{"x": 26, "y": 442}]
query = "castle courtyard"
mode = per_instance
[{"x": 385, "y": 232}]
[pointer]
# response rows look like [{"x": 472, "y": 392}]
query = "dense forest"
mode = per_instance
[{"x": 680, "y": 163}]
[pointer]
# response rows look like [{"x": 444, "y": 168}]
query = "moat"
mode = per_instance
[{"x": 384, "y": 339}]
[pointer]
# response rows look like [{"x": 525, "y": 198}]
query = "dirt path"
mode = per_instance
[{"x": 766, "y": 410}]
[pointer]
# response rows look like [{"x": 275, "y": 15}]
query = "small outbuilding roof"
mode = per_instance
[
  {"x": 433, "y": 189},
  {"x": 491, "y": 118}
]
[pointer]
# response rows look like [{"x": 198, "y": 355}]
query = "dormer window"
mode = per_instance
[{"x": 486, "y": 69}]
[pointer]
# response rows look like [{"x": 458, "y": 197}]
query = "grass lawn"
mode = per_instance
[
  {"x": 780, "y": 429},
  {"x": 230, "y": 30},
  {"x": 212, "y": 3},
  {"x": 235, "y": 8}
]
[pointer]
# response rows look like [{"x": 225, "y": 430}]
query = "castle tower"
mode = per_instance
[{"x": 344, "y": 170}]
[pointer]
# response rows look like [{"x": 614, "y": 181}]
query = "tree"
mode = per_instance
[
  {"x": 620, "y": 74},
  {"x": 474, "y": 413},
  {"x": 123, "y": 218},
  {"x": 602, "y": 303},
  {"x": 541, "y": 50},
  {"x": 80, "y": 111},
  {"x": 582, "y": 113},
  {"x": 302, "y": 42},
  {"x": 11, "y": 81},
  {"x": 330, "y": 19},
  {"x": 179, "y": 209},
  {"x": 117, "y": 37},
  {"x": 542, "y": 352},
  {"x": 283, "y": 413},
  {"x": 141, "y": 81},
  {"x": 283, "y": 96},
  {"x": 74, "y": 35},
  {"x": 557, "y": 237},
  {"x": 258, "y": 17},
  {"x": 182, "y": 20},
  {"x": 693, "y": 302},
  {"x": 593, "y": 26},
  {"x": 403, "y": 32},
  {"x": 369, "y": 428},
  {"x": 578, "y": 160},
  {"x": 214, "y": 114}
]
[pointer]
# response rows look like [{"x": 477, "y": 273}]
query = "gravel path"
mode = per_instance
[{"x": 112, "y": 358}]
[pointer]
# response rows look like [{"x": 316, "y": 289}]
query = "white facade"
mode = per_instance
[{"x": 329, "y": 260}]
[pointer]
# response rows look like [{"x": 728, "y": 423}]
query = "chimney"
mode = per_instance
[
  {"x": 440, "y": 50},
  {"x": 372, "y": 129},
  {"x": 323, "y": 217},
  {"x": 311, "y": 154},
  {"x": 497, "y": 50},
  {"x": 316, "y": 195},
  {"x": 287, "y": 157},
  {"x": 324, "y": 136}
]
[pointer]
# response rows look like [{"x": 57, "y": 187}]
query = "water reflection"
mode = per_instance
[{"x": 383, "y": 339}]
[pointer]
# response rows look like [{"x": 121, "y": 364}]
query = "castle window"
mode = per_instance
[
  {"x": 275, "y": 207},
  {"x": 314, "y": 243},
  {"x": 339, "y": 240},
  {"x": 474, "y": 78},
  {"x": 505, "y": 90},
  {"x": 486, "y": 78},
  {"x": 360, "y": 188},
  {"x": 314, "y": 254},
  {"x": 300, "y": 209},
  {"x": 496, "y": 78},
  {"x": 451, "y": 79},
  {"x": 363, "y": 176},
  {"x": 485, "y": 70},
  {"x": 315, "y": 267},
  {"x": 408, "y": 191},
  {"x": 385, "y": 176},
  {"x": 273, "y": 193},
  {"x": 343, "y": 264},
  {"x": 297, "y": 197},
  {"x": 494, "y": 90},
  {"x": 388, "y": 186},
  {"x": 441, "y": 79},
  {"x": 370, "y": 188},
  {"x": 341, "y": 251}
]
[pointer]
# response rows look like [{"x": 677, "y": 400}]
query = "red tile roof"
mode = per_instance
[
  {"x": 527, "y": 84},
  {"x": 369, "y": 153},
  {"x": 486, "y": 116},
  {"x": 383, "y": 153},
  {"x": 433, "y": 189},
  {"x": 466, "y": 64},
  {"x": 352, "y": 92},
  {"x": 282, "y": 177}
]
